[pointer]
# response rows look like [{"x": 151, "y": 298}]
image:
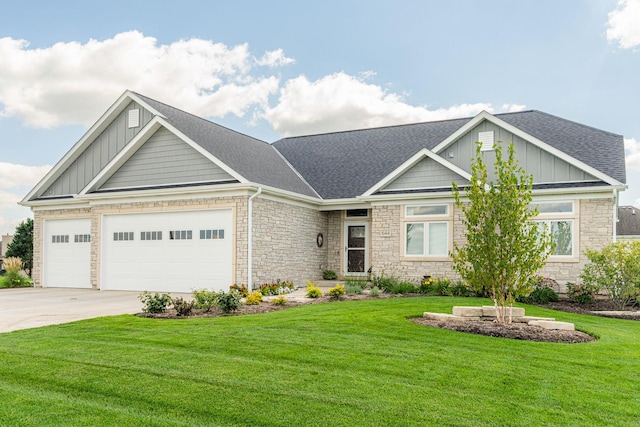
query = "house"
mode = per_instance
[
  {"x": 628, "y": 225},
  {"x": 5, "y": 241},
  {"x": 154, "y": 198}
]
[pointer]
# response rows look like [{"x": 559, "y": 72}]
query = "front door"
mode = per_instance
[{"x": 356, "y": 248}]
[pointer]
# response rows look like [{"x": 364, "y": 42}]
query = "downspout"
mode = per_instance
[
  {"x": 615, "y": 214},
  {"x": 250, "y": 239}
]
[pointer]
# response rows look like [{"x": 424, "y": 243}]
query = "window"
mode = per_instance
[
  {"x": 561, "y": 235},
  {"x": 559, "y": 219},
  {"x": 427, "y": 210},
  {"x": 357, "y": 213},
  {"x": 211, "y": 234},
  {"x": 60, "y": 238},
  {"x": 82, "y": 238},
  {"x": 123, "y": 236},
  {"x": 180, "y": 235},
  {"x": 427, "y": 238},
  {"x": 151, "y": 235}
]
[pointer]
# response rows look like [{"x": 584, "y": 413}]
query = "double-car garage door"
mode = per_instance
[{"x": 166, "y": 251}]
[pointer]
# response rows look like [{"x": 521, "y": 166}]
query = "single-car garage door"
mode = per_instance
[
  {"x": 67, "y": 253},
  {"x": 167, "y": 251}
]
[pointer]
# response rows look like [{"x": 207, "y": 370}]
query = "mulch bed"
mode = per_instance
[{"x": 518, "y": 331}]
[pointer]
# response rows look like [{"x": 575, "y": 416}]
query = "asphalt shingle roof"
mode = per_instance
[
  {"x": 628, "y": 221},
  {"x": 252, "y": 158},
  {"x": 346, "y": 164}
]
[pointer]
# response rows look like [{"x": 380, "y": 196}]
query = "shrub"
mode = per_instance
[
  {"x": 156, "y": 303},
  {"x": 385, "y": 282},
  {"x": 353, "y": 289},
  {"x": 277, "y": 288},
  {"x": 375, "y": 291},
  {"x": 329, "y": 275},
  {"x": 402, "y": 288},
  {"x": 615, "y": 268},
  {"x": 12, "y": 264},
  {"x": 230, "y": 301},
  {"x": 279, "y": 300},
  {"x": 312, "y": 290},
  {"x": 204, "y": 299},
  {"x": 459, "y": 290},
  {"x": 543, "y": 296},
  {"x": 337, "y": 291},
  {"x": 254, "y": 298},
  {"x": 356, "y": 281},
  {"x": 242, "y": 289},
  {"x": 582, "y": 294},
  {"x": 435, "y": 286},
  {"x": 183, "y": 307},
  {"x": 14, "y": 279}
]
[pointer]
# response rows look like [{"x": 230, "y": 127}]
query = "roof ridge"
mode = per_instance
[
  {"x": 577, "y": 123},
  {"x": 199, "y": 117}
]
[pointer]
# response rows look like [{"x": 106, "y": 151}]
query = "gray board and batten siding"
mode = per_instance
[
  {"x": 100, "y": 152},
  {"x": 427, "y": 173},
  {"x": 545, "y": 167},
  {"x": 165, "y": 159}
]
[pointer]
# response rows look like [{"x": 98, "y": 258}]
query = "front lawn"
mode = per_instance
[{"x": 353, "y": 363}]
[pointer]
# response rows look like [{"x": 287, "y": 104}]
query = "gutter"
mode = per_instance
[{"x": 250, "y": 239}]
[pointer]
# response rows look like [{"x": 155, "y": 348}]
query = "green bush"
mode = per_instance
[
  {"x": 385, "y": 282},
  {"x": 582, "y": 294},
  {"x": 353, "y": 289},
  {"x": 183, "y": 307},
  {"x": 279, "y": 300},
  {"x": 337, "y": 291},
  {"x": 205, "y": 299},
  {"x": 459, "y": 289},
  {"x": 329, "y": 275},
  {"x": 254, "y": 298},
  {"x": 375, "y": 291},
  {"x": 277, "y": 288},
  {"x": 230, "y": 301},
  {"x": 13, "y": 279},
  {"x": 402, "y": 288},
  {"x": 156, "y": 303},
  {"x": 543, "y": 296},
  {"x": 615, "y": 268},
  {"x": 435, "y": 286},
  {"x": 312, "y": 290}
]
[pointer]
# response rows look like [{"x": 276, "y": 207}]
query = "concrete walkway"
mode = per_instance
[{"x": 23, "y": 308}]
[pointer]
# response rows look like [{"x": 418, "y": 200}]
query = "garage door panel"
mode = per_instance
[
  {"x": 167, "y": 265},
  {"x": 66, "y": 262}
]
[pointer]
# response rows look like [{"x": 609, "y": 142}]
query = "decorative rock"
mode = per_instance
[
  {"x": 548, "y": 324},
  {"x": 467, "y": 311},
  {"x": 445, "y": 316},
  {"x": 527, "y": 319},
  {"x": 490, "y": 311}
]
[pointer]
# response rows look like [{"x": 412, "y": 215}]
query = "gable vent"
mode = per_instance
[
  {"x": 134, "y": 118},
  {"x": 486, "y": 139}
]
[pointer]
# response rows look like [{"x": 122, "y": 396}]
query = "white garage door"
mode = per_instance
[
  {"x": 67, "y": 253},
  {"x": 167, "y": 251}
]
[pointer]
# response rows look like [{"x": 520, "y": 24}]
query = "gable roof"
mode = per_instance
[
  {"x": 628, "y": 221},
  {"x": 363, "y": 158}
]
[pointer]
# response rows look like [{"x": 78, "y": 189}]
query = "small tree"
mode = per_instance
[
  {"x": 22, "y": 245},
  {"x": 504, "y": 246},
  {"x": 615, "y": 268}
]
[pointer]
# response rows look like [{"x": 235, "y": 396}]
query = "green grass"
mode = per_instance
[{"x": 352, "y": 363}]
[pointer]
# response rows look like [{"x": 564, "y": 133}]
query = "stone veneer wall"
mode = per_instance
[
  {"x": 239, "y": 203},
  {"x": 595, "y": 231},
  {"x": 284, "y": 242},
  {"x": 334, "y": 241}
]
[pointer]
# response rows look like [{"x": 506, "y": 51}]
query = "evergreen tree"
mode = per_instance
[{"x": 22, "y": 245}]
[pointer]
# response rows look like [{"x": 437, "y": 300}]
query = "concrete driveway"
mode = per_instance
[{"x": 24, "y": 308}]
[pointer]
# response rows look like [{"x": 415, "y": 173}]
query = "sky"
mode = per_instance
[{"x": 281, "y": 68}]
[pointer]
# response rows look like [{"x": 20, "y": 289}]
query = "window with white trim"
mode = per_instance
[
  {"x": 558, "y": 219},
  {"x": 426, "y": 230},
  {"x": 181, "y": 235},
  {"x": 123, "y": 236},
  {"x": 82, "y": 238}
]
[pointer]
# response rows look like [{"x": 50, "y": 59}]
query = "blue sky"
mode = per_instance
[{"x": 270, "y": 69}]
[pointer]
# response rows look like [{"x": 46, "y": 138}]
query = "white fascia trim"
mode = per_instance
[
  {"x": 78, "y": 148},
  {"x": 59, "y": 204},
  {"x": 483, "y": 115},
  {"x": 395, "y": 198},
  {"x": 204, "y": 152},
  {"x": 343, "y": 204},
  {"x": 415, "y": 159}
]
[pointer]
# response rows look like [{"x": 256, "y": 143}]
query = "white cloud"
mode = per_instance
[
  {"x": 15, "y": 182},
  {"x": 13, "y": 175},
  {"x": 340, "y": 102},
  {"x": 74, "y": 82},
  {"x": 624, "y": 24},
  {"x": 632, "y": 153}
]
